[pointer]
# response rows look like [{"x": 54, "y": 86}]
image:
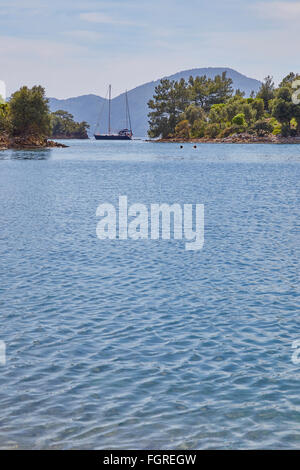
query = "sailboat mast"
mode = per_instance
[
  {"x": 109, "y": 106},
  {"x": 127, "y": 112}
]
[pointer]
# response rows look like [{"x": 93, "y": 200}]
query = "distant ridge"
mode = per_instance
[{"x": 88, "y": 107}]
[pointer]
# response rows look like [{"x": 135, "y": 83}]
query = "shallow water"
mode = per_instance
[{"x": 142, "y": 344}]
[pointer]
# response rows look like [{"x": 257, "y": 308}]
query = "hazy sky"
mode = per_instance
[{"x": 75, "y": 47}]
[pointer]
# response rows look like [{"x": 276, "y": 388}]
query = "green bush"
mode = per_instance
[
  {"x": 239, "y": 120},
  {"x": 276, "y": 126},
  {"x": 5, "y": 122},
  {"x": 263, "y": 127},
  {"x": 212, "y": 131},
  {"x": 227, "y": 131},
  {"x": 198, "y": 129},
  {"x": 182, "y": 130},
  {"x": 285, "y": 130}
]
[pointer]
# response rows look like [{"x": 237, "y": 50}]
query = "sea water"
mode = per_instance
[{"x": 139, "y": 344}]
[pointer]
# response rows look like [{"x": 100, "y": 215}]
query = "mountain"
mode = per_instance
[{"x": 88, "y": 107}]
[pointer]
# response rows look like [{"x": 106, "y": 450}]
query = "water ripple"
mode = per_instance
[{"x": 143, "y": 344}]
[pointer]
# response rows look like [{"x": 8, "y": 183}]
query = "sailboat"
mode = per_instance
[{"x": 123, "y": 134}]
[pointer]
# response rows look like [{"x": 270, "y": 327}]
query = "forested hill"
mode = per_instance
[{"x": 88, "y": 107}]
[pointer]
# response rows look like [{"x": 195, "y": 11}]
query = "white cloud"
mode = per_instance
[
  {"x": 288, "y": 11},
  {"x": 30, "y": 49},
  {"x": 21, "y": 3},
  {"x": 97, "y": 17},
  {"x": 84, "y": 35},
  {"x": 256, "y": 54},
  {"x": 51, "y": 64}
]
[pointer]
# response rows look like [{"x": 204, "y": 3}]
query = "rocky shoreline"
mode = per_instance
[
  {"x": 237, "y": 139},
  {"x": 69, "y": 137},
  {"x": 28, "y": 142}
]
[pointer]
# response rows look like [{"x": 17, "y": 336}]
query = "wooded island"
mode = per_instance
[
  {"x": 26, "y": 122},
  {"x": 206, "y": 109}
]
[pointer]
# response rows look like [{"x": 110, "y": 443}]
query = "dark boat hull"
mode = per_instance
[{"x": 112, "y": 137}]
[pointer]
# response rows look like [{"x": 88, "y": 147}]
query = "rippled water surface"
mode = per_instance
[{"x": 142, "y": 344}]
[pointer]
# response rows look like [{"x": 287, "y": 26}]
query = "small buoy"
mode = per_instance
[
  {"x": 195, "y": 146},
  {"x": 181, "y": 146}
]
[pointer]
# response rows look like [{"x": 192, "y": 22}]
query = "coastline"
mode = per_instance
[
  {"x": 234, "y": 139},
  {"x": 28, "y": 142},
  {"x": 68, "y": 137}
]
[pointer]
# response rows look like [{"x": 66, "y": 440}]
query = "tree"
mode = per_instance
[
  {"x": 172, "y": 99},
  {"x": 163, "y": 117},
  {"x": 289, "y": 79},
  {"x": 248, "y": 111},
  {"x": 287, "y": 83},
  {"x": 234, "y": 107},
  {"x": 259, "y": 108},
  {"x": 267, "y": 91},
  {"x": 29, "y": 112},
  {"x": 5, "y": 123},
  {"x": 169, "y": 102},
  {"x": 193, "y": 113},
  {"x": 198, "y": 90},
  {"x": 219, "y": 90},
  {"x": 239, "y": 93},
  {"x": 182, "y": 130},
  {"x": 205, "y": 106},
  {"x": 212, "y": 130},
  {"x": 198, "y": 129},
  {"x": 64, "y": 126},
  {"x": 81, "y": 131},
  {"x": 218, "y": 113},
  {"x": 296, "y": 114},
  {"x": 281, "y": 110},
  {"x": 205, "y": 91},
  {"x": 263, "y": 127}
]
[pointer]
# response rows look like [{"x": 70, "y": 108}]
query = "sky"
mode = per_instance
[{"x": 76, "y": 47}]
